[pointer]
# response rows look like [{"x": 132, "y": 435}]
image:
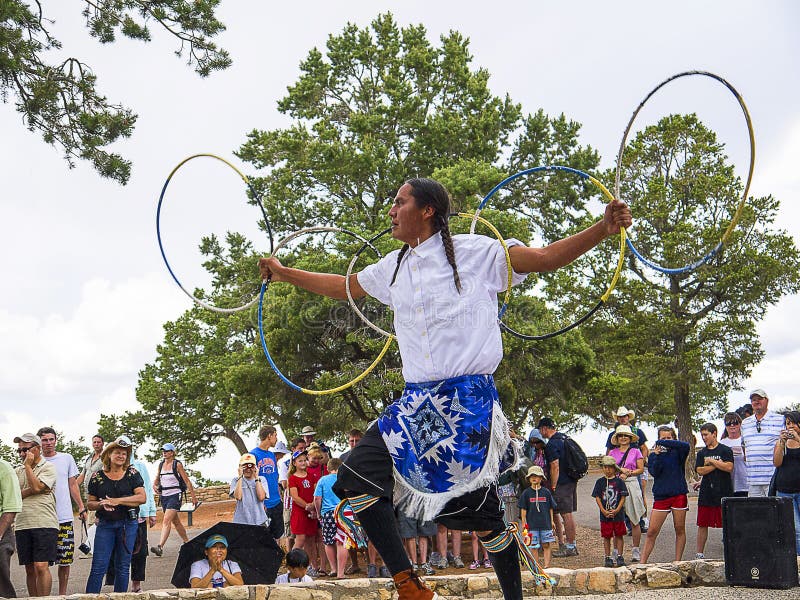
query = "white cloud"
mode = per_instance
[{"x": 109, "y": 336}]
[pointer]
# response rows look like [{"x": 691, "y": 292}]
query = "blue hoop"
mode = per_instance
[
  {"x": 736, "y": 215},
  {"x": 195, "y": 299},
  {"x": 620, "y": 260}
]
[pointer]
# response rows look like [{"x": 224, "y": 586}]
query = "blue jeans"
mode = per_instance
[
  {"x": 117, "y": 536},
  {"x": 796, "y": 502}
]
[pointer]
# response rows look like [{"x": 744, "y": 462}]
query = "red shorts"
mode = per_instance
[
  {"x": 672, "y": 503},
  {"x": 709, "y": 516},
  {"x": 609, "y": 529}
]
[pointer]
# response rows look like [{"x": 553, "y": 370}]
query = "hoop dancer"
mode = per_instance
[{"x": 438, "y": 450}]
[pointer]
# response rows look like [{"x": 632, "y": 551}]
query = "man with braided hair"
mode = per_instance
[{"x": 439, "y": 449}]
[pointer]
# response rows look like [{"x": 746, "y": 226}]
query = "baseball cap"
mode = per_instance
[
  {"x": 247, "y": 459},
  {"x": 297, "y": 453},
  {"x": 216, "y": 539},
  {"x": 758, "y": 392},
  {"x": 167, "y": 447},
  {"x": 28, "y": 438}
]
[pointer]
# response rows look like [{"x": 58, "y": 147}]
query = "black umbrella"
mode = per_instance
[{"x": 251, "y": 546}]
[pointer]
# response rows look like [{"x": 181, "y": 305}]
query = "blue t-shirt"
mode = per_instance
[
  {"x": 537, "y": 504},
  {"x": 268, "y": 469},
  {"x": 324, "y": 490}
]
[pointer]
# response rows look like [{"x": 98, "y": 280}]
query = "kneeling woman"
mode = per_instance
[
  {"x": 115, "y": 493},
  {"x": 215, "y": 570}
]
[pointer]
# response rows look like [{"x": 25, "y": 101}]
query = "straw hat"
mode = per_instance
[
  {"x": 624, "y": 430},
  {"x": 622, "y": 411}
]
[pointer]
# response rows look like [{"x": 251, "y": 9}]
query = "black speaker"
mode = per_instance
[{"x": 759, "y": 543}]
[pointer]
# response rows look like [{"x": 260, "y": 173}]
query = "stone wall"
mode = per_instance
[
  {"x": 210, "y": 494},
  {"x": 565, "y": 582}
]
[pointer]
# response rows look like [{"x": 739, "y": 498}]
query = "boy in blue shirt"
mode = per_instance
[
  {"x": 609, "y": 493},
  {"x": 325, "y": 502},
  {"x": 268, "y": 469},
  {"x": 536, "y": 506}
]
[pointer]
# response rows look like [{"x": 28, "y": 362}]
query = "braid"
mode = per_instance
[
  {"x": 400, "y": 256},
  {"x": 449, "y": 250}
]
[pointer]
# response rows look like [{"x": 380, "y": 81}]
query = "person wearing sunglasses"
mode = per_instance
[
  {"x": 732, "y": 438},
  {"x": 249, "y": 489},
  {"x": 760, "y": 433},
  {"x": 37, "y": 525}
]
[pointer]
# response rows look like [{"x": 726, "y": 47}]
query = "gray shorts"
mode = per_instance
[
  {"x": 566, "y": 497},
  {"x": 412, "y": 528}
]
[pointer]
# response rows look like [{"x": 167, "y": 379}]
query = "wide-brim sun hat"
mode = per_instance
[
  {"x": 624, "y": 430},
  {"x": 308, "y": 430},
  {"x": 122, "y": 442},
  {"x": 280, "y": 448},
  {"x": 623, "y": 411}
]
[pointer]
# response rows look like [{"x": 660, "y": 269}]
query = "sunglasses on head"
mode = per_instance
[
  {"x": 730, "y": 423},
  {"x": 123, "y": 444}
]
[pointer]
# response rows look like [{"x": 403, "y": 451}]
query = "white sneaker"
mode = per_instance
[
  {"x": 614, "y": 554},
  {"x": 699, "y": 556},
  {"x": 636, "y": 555}
]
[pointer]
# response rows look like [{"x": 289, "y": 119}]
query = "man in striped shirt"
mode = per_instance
[{"x": 760, "y": 433}]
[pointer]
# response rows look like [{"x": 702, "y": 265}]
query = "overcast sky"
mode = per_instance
[{"x": 85, "y": 292}]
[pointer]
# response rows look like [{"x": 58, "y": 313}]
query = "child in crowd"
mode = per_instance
[
  {"x": 297, "y": 567},
  {"x": 609, "y": 493},
  {"x": 536, "y": 506},
  {"x": 476, "y": 547},
  {"x": 304, "y": 514},
  {"x": 715, "y": 464},
  {"x": 325, "y": 502},
  {"x": 411, "y": 530}
]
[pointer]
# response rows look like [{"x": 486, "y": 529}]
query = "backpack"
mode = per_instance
[
  {"x": 574, "y": 460},
  {"x": 181, "y": 482}
]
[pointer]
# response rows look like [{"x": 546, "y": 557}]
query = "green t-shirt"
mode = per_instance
[{"x": 10, "y": 496}]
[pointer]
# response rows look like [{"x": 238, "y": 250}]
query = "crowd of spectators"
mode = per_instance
[{"x": 289, "y": 490}]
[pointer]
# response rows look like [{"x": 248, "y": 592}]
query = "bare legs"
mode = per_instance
[
  {"x": 172, "y": 519},
  {"x": 657, "y": 519},
  {"x": 39, "y": 579}
]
